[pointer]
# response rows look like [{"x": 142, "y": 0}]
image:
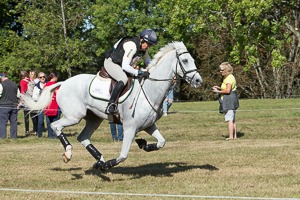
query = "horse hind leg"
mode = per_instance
[
  {"x": 68, "y": 147},
  {"x": 100, "y": 163},
  {"x": 57, "y": 127},
  {"x": 92, "y": 123}
]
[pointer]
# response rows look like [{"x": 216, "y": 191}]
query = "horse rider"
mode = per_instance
[{"x": 120, "y": 59}]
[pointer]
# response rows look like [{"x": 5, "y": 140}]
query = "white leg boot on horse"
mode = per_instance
[{"x": 112, "y": 107}]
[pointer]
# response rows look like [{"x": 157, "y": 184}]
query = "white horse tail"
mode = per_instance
[{"x": 44, "y": 99}]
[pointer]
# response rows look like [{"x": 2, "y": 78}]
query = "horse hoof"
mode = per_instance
[
  {"x": 141, "y": 143},
  {"x": 99, "y": 165},
  {"x": 65, "y": 158}
]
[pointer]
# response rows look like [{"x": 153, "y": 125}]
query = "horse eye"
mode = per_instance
[{"x": 185, "y": 60}]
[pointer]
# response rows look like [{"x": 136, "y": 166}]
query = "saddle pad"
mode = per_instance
[{"x": 99, "y": 89}]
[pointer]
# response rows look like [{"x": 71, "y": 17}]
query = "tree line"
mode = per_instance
[{"x": 261, "y": 39}]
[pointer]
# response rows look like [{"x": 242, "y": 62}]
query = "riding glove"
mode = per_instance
[{"x": 143, "y": 74}]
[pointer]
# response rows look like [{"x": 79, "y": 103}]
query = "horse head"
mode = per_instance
[{"x": 185, "y": 66}]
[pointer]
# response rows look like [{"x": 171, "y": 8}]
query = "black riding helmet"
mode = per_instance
[{"x": 149, "y": 36}]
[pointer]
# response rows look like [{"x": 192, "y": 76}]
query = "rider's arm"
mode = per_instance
[
  {"x": 147, "y": 59},
  {"x": 130, "y": 50}
]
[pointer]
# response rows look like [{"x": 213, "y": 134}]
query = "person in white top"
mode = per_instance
[
  {"x": 119, "y": 62},
  {"x": 37, "y": 90},
  {"x": 31, "y": 84}
]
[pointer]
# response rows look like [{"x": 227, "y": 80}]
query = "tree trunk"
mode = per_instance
[
  {"x": 69, "y": 70},
  {"x": 294, "y": 52},
  {"x": 277, "y": 82},
  {"x": 260, "y": 78}
]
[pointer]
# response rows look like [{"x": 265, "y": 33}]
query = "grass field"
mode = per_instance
[{"x": 196, "y": 162}]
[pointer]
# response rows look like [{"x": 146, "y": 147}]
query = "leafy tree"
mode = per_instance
[
  {"x": 51, "y": 38},
  {"x": 260, "y": 38},
  {"x": 261, "y": 33},
  {"x": 113, "y": 19}
]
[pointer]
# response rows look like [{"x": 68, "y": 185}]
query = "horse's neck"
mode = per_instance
[{"x": 163, "y": 73}]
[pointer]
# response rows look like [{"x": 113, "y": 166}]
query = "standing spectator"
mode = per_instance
[
  {"x": 38, "y": 88},
  {"x": 52, "y": 112},
  {"x": 117, "y": 134},
  {"x": 228, "y": 99},
  {"x": 9, "y": 94},
  {"x": 23, "y": 89},
  {"x": 31, "y": 84},
  {"x": 169, "y": 98},
  {"x": 35, "y": 79}
]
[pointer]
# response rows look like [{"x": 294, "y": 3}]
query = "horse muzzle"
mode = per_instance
[{"x": 195, "y": 81}]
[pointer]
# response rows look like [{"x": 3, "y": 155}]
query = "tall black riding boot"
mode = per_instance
[{"x": 112, "y": 106}]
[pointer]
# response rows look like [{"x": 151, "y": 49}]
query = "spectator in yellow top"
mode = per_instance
[{"x": 228, "y": 98}]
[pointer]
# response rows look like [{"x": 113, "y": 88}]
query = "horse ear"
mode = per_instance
[{"x": 174, "y": 44}]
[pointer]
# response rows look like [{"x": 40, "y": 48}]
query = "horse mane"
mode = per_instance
[{"x": 169, "y": 47}]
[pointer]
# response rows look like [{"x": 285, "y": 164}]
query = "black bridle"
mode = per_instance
[
  {"x": 182, "y": 69},
  {"x": 176, "y": 74}
]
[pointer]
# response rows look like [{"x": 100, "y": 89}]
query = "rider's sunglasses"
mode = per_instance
[
  {"x": 42, "y": 77},
  {"x": 149, "y": 45}
]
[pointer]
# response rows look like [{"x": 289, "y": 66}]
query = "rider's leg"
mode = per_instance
[
  {"x": 112, "y": 106},
  {"x": 116, "y": 72}
]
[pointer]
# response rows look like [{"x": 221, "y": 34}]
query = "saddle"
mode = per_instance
[
  {"x": 115, "y": 118},
  {"x": 103, "y": 73}
]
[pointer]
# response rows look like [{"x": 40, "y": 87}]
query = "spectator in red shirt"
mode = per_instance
[
  {"x": 23, "y": 89},
  {"x": 52, "y": 112}
]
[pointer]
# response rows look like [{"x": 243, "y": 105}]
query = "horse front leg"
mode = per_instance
[
  {"x": 126, "y": 143},
  {"x": 153, "y": 131}
]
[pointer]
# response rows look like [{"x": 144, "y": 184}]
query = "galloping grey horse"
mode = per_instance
[{"x": 139, "y": 111}]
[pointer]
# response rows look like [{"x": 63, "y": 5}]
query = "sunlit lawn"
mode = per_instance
[{"x": 263, "y": 162}]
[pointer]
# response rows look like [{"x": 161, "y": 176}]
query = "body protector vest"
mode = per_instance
[
  {"x": 118, "y": 53},
  {"x": 9, "y": 94}
]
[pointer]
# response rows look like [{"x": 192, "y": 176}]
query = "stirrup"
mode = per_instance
[{"x": 112, "y": 108}]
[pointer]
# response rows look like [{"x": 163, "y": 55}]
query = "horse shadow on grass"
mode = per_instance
[
  {"x": 71, "y": 134},
  {"x": 153, "y": 169},
  {"x": 75, "y": 176}
]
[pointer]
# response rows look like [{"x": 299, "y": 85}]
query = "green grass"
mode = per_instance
[{"x": 263, "y": 162}]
